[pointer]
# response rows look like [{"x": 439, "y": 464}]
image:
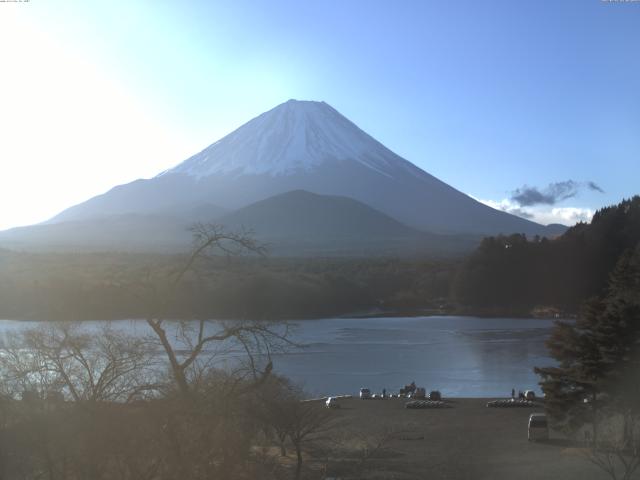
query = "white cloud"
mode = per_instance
[
  {"x": 571, "y": 215},
  {"x": 542, "y": 214}
]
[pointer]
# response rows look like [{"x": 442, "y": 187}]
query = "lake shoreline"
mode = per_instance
[
  {"x": 426, "y": 312},
  {"x": 460, "y": 356}
]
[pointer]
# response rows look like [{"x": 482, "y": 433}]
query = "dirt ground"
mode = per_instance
[{"x": 466, "y": 441}]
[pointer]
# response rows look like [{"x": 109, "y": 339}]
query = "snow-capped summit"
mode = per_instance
[{"x": 292, "y": 137}]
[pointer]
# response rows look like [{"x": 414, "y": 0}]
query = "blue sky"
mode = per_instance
[{"x": 496, "y": 98}]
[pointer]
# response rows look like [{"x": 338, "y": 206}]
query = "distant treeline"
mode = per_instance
[
  {"x": 514, "y": 273},
  {"x": 112, "y": 286},
  {"x": 506, "y": 275}
]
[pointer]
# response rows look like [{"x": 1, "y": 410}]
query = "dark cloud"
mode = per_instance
[
  {"x": 594, "y": 186},
  {"x": 553, "y": 193}
]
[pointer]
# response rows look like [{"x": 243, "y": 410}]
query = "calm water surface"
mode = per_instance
[{"x": 460, "y": 356}]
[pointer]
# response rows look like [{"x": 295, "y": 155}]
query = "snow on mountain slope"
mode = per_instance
[{"x": 293, "y": 137}]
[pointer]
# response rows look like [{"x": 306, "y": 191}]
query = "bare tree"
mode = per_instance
[
  {"x": 64, "y": 359},
  {"x": 206, "y": 426},
  {"x": 273, "y": 405},
  {"x": 372, "y": 447},
  {"x": 355, "y": 454},
  {"x": 617, "y": 451},
  {"x": 97, "y": 373},
  {"x": 193, "y": 337},
  {"x": 308, "y": 421}
]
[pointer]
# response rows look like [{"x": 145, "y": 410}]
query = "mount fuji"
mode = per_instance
[{"x": 298, "y": 145}]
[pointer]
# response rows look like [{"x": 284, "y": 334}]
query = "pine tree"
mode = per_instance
[
  {"x": 572, "y": 388},
  {"x": 598, "y": 355}
]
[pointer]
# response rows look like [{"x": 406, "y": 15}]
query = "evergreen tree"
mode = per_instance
[
  {"x": 598, "y": 355},
  {"x": 617, "y": 334}
]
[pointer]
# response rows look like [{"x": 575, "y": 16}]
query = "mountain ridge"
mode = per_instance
[
  {"x": 296, "y": 223},
  {"x": 303, "y": 145}
]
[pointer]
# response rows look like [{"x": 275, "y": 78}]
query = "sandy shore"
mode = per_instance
[{"x": 466, "y": 441}]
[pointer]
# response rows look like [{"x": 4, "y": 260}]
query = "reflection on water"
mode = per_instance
[{"x": 460, "y": 356}]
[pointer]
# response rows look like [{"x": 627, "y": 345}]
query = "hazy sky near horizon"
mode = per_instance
[{"x": 533, "y": 107}]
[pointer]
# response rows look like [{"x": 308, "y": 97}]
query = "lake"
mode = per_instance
[{"x": 460, "y": 356}]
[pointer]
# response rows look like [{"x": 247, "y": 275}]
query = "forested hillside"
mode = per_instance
[
  {"x": 118, "y": 285},
  {"x": 517, "y": 273}
]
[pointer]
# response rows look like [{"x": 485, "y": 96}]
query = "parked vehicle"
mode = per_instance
[
  {"x": 365, "y": 394},
  {"x": 530, "y": 395},
  {"x": 538, "y": 427},
  {"x": 332, "y": 402},
  {"x": 435, "y": 395}
]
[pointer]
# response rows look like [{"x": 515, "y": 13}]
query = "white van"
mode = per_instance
[{"x": 538, "y": 427}]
